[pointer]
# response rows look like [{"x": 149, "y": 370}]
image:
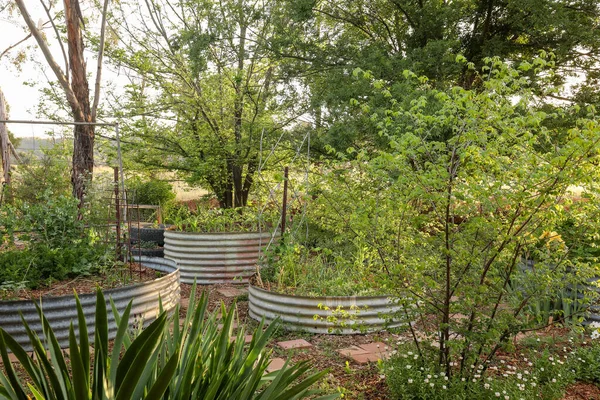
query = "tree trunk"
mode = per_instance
[
  {"x": 83, "y": 148},
  {"x": 83, "y": 160}
]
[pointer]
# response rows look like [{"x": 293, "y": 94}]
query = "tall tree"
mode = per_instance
[
  {"x": 205, "y": 94},
  {"x": 331, "y": 38},
  {"x": 74, "y": 82}
]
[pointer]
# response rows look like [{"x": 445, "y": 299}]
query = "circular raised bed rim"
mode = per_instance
[
  {"x": 61, "y": 310},
  {"x": 316, "y": 314}
]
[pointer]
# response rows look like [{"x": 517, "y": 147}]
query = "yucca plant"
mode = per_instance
[
  {"x": 215, "y": 366},
  {"x": 110, "y": 376},
  {"x": 162, "y": 361}
]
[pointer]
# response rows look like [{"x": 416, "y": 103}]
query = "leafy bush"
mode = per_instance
[
  {"x": 472, "y": 182},
  {"x": 163, "y": 361},
  {"x": 50, "y": 172},
  {"x": 153, "y": 191},
  {"x": 411, "y": 376},
  {"x": 57, "y": 244},
  {"x": 320, "y": 272},
  {"x": 220, "y": 220},
  {"x": 586, "y": 363}
]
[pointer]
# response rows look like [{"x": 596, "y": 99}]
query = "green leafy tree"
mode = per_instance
[
  {"x": 206, "y": 95},
  {"x": 328, "y": 39},
  {"x": 476, "y": 182}
]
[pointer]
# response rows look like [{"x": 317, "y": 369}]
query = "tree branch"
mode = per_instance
[
  {"x": 60, "y": 75},
  {"x": 99, "y": 66}
]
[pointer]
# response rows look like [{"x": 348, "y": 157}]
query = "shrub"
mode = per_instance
[
  {"x": 57, "y": 245},
  {"x": 586, "y": 363},
  {"x": 152, "y": 192},
  {"x": 537, "y": 376}
]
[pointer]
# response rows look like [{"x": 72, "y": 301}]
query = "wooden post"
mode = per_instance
[
  {"x": 4, "y": 141},
  {"x": 284, "y": 212}
]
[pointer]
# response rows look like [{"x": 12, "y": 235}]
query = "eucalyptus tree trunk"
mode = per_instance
[
  {"x": 83, "y": 135},
  {"x": 73, "y": 81}
]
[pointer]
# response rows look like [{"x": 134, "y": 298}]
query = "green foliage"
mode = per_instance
[
  {"x": 153, "y": 191},
  {"x": 468, "y": 188},
  {"x": 220, "y": 220},
  {"x": 327, "y": 39},
  {"x": 106, "y": 375},
  {"x": 213, "y": 365},
  {"x": 36, "y": 176},
  {"x": 57, "y": 244},
  {"x": 586, "y": 362},
  {"x": 229, "y": 98},
  {"x": 545, "y": 376},
  {"x": 163, "y": 361},
  {"x": 320, "y": 272}
]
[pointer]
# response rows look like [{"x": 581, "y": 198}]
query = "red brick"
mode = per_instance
[
  {"x": 275, "y": 364},
  {"x": 365, "y": 358},
  {"x": 247, "y": 339},
  {"x": 351, "y": 351},
  {"x": 294, "y": 344},
  {"x": 231, "y": 292},
  {"x": 376, "y": 347}
]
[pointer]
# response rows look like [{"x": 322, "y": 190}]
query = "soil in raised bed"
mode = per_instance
[{"x": 116, "y": 277}]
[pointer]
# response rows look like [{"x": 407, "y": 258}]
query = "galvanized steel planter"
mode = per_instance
[
  {"x": 330, "y": 314},
  {"x": 61, "y": 310},
  {"x": 216, "y": 257}
]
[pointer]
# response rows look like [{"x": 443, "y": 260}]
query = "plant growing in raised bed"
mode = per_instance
[{"x": 217, "y": 246}]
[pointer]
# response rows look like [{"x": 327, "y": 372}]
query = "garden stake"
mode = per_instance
[
  {"x": 284, "y": 212},
  {"x": 118, "y": 212}
]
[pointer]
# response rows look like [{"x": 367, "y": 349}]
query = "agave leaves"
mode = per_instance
[
  {"x": 162, "y": 361},
  {"x": 214, "y": 367},
  {"x": 53, "y": 376}
]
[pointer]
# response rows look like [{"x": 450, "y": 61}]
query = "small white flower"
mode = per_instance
[
  {"x": 444, "y": 387},
  {"x": 426, "y": 380},
  {"x": 408, "y": 366},
  {"x": 486, "y": 386},
  {"x": 410, "y": 381},
  {"x": 497, "y": 394},
  {"x": 553, "y": 380}
]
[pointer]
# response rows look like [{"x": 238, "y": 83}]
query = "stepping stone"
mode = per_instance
[
  {"x": 232, "y": 292},
  {"x": 294, "y": 344},
  {"x": 376, "y": 347},
  {"x": 352, "y": 351},
  {"x": 247, "y": 339},
  {"x": 234, "y": 325},
  {"x": 275, "y": 365},
  {"x": 365, "y": 358}
]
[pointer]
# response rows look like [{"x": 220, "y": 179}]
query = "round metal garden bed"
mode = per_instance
[
  {"x": 330, "y": 314},
  {"x": 211, "y": 258},
  {"x": 61, "y": 310}
]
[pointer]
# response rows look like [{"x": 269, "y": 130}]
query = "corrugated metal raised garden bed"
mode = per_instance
[
  {"x": 211, "y": 258},
  {"x": 61, "y": 310},
  {"x": 327, "y": 314}
]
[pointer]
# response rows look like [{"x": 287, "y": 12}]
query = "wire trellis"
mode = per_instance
[{"x": 272, "y": 197}]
